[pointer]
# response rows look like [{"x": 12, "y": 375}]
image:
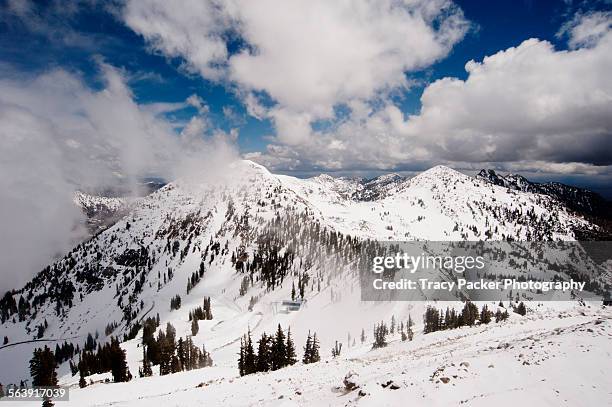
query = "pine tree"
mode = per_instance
[
  {"x": 90, "y": 343},
  {"x": 194, "y": 326},
  {"x": 292, "y": 291},
  {"x": 279, "y": 354},
  {"x": 249, "y": 356},
  {"x": 501, "y": 316},
  {"x": 469, "y": 314},
  {"x": 191, "y": 353},
  {"x": 207, "y": 309},
  {"x": 363, "y": 337},
  {"x": 146, "y": 365},
  {"x": 175, "y": 365},
  {"x": 205, "y": 360},
  {"x": 336, "y": 349},
  {"x": 520, "y": 309},
  {"x": 264, "y": 354},
  {"x": 302, "y": 286},
  {"x": 171, "y": 334},
  {"x": 291, "y": 357},
  {"x": 315, "y": 349},
  {"x": 42, "y": 370},
  {"x": 73, "y": 368},
  {"x": 165, "y": 353},
  {"x": 308, "y": 350},
  {"x": 431, "y": 320},
  {"x": 181, "y": 354},
  {"x": 485, "y": 315},
  {"x": 118, "y": 362},
  {"x": 175, "y": 302},
  {"x": 380, "y": 335},
  {"x": 82, "y": 382}
]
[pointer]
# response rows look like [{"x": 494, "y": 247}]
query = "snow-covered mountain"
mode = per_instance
[
  {"x": 104, "y": 208},
  {"x": 246, "y": 238},
  {"x": 577, "y": 199},
  {"x": 438, "y": 204},
  {"x": 101, "y": 211},
  {"x": 362, "y": 189}
]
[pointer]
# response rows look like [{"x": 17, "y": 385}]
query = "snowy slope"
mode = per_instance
[
  {"x": 93, "y": 203},
  {"x": 101, "y": 211},
  {"x": 556, "y": 355},
  {"x": 132, "y": 269},
  {"x": 439, "y": 204}
]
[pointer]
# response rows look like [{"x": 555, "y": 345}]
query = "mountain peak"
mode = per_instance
[
  {"x": 490, "y": 176},
  {"x": 324, "y": 178},
  {"x": 249, "y": 164},
  {"x": 439, "y": 171},
  {"x": 392, "y": 176}
]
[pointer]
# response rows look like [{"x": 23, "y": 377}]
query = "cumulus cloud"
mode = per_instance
[
  {"x": 189, "y": 29},
  {"x": 529, "y": 103},
  {"x": 525, "y": 103},
  {"x": 305, "y": 57},
  {"x": 296, "y": 62},
  {"x": 57, "y": 135}
]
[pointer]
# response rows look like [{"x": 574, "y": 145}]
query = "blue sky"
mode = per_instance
[
  {"x": 154, "y": 78},
  {"x": 497, "y": 25},
  {"x": 75, "y": 37}
]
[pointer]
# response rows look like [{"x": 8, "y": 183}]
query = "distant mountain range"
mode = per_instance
[{"x": 578, "y": 199}]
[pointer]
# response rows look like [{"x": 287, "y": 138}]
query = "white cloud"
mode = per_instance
[
  {"x": 197, "y": 102},
  {"x": 529, "y": 103},
  {"x": 233, "y": 117},
  {"x": 157, "y": 108},
  {"x": 310, "y": 56},
  {"x": 56, "y": 135},
  {"x": 299, "y": 61},
  {"x": 36, "y": 212},
  {"x": 569, "y": 168},
  {"x": 586, "y": 30},
  {"x": 254, "y": 107},
  {"x": 190, "y": 29},
  {"x": 306, "y": 56},
  {"x": 525, "y": 103},
  {"x": 195, "y": 129}
]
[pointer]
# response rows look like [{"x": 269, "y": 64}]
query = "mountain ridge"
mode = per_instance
[
  {"x": 279, "y": 226},
  {"x": 575, "y": 198}
]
